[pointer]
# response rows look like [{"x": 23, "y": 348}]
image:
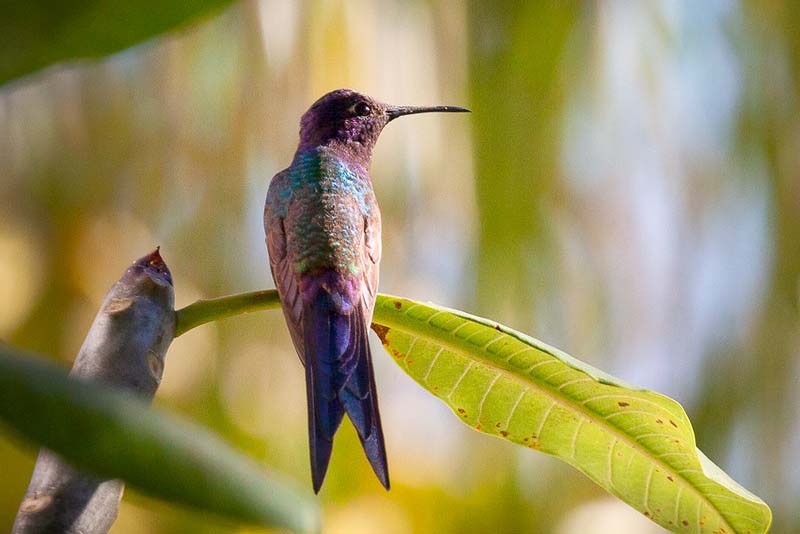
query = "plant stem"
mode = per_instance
[{"x": 205, "y": 311}]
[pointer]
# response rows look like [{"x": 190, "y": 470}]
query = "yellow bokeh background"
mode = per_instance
[{"x": 626, "y": 189}]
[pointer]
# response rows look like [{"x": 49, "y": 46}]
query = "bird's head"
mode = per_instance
[{"x": 351, "y": 122}]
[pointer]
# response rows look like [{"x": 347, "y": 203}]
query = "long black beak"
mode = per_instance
[{"x": 398, "y": 111}]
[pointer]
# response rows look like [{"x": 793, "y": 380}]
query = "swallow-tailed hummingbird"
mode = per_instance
[{"x": 323, "y": 233}]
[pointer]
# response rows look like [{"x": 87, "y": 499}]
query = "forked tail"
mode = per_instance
[{"x": 339, "y": 380}]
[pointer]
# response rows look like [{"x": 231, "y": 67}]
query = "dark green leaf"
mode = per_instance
[
  {"x": 39, "y": 33},
  {"x": 115, "y": 435}
]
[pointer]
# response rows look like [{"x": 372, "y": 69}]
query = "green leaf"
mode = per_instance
[
  {"x": 114, "y": 435},
  {"x": 38, "y": 33},
  {"x": 637, "y": 444}
]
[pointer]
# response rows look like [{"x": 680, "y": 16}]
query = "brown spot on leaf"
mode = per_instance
[
  {"x": 381, "y": 331},
  {"x": 673, "y": 423},
  {"x": 660, "y": 421},
  {"x": 669, "y": 477},
  {"x": 462, "y": 411},
  {"x": 398, "y": 305},
  {"x": 497, "y": 327},
  {"x": 397, "y": 354},
  {"x": 647, "y": 514},
  {"x": 498, "y": 425},
  {"x": 504, "y": 433},
  {"x": 685, "y": 523},
  {"x": 477, "y": 427},
  {"x": 623, "y": 404}
]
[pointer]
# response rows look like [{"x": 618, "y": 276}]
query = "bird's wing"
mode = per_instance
[
  {"x": 371, "y": 258},
  {"x": 286, "y": 280}
]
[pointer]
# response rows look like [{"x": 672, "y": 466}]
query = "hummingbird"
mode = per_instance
[{"x": 323, "y": 235}]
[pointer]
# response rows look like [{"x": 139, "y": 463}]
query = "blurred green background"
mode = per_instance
[{"x": 627, "y": 188}]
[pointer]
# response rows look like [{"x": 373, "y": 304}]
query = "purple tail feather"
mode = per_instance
[{"x": 339, "y": 380}]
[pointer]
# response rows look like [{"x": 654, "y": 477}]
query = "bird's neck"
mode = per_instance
[{"x": 333, "y": 153}]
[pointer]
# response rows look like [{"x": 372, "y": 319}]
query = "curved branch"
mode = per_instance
[{"x": 206, "y": 311}]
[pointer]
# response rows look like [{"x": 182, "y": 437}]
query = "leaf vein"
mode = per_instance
[
  {"x": 433, "y": 363},
  {"x": 460, "y": 378},
  {"x": 514, "y": 408},
  {"x": 647, "y": 484},
  {"x": 575, "y": 438},
  {"x": 676, "y": 519},
  {"x": 538, "y": 433},
  {"x": 573, "y": 382},
  {"x": 486, "y": 394},
  {"x": 610, "y": 463}
]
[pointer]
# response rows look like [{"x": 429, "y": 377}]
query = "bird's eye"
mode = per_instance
[{"x": 362, "y": 109}]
